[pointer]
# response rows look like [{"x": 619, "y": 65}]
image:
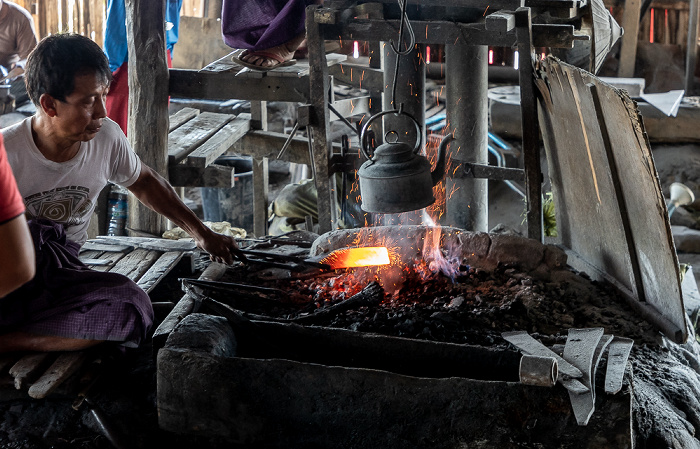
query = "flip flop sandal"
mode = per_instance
[{"x": 281, "y": 63}]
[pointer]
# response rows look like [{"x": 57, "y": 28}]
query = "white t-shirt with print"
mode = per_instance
[{"x": 66, "y": 192}]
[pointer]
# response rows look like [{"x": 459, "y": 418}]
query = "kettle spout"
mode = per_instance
[{"x": 439, "y": 171}]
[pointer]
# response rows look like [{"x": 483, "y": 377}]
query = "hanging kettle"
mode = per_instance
[{"x": 396, "y": 178}]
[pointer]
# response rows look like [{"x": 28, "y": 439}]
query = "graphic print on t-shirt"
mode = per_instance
[{"x": 66, "y": 205}]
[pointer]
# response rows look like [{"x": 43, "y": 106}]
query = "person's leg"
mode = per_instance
[{"x": 25, "y": 341}]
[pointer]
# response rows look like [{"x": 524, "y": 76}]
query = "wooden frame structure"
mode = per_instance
[{"x": 508, "y": 23}]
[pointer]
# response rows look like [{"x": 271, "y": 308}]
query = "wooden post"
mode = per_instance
[
  {"x": 318, "y": 80},
  {"x": 530, "y": 124},
  {"x": 148, "y": 99},
  {"x": 628, "y": 47},
  {"x": 261, "y": 175},
  {"x": 212, "y": 9}
]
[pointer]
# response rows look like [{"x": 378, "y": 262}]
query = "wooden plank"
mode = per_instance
[
  {"x": 594, "y": 229},
  {"x": 65, "y": 365},
  {"x": 220, "y": 142},
  {"x": 158, "y": 270},
  {"x": 112, "y": 258},
  {"x": 224, "y": 86},
  {"x": 27, "y": 367},
  {"x": 189, "y": 136},
  {"x": 136, "y": 263},
  {"x": 91, "y": 262},
  {"x": 90, "y": 254},
  {"x": 152, "y": 243},
  {"x": 220, "y": 176},
  {"x": 108, "y": 247},
  {"x": 182, "y": 116},
  {"x": 628, "y": 46}
]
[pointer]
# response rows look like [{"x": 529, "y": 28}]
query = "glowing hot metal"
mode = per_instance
[{"x": 357, "y": 257}]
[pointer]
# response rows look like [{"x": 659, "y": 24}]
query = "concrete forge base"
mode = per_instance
[{"x": 280, "y": 385}]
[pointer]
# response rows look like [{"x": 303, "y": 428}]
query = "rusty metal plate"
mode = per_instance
[{"x": 611, "y": 214}]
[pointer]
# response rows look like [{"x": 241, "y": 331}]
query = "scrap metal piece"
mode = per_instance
[
  {"x": 523, "y": 341},
  {"x": 538, "y": 371},
  {"x": 618, "y": 354},
  {"x": 528, "y": 345},
  {"x": 581, "y": 347}
]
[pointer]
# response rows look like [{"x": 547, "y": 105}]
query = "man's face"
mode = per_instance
[{"x": 80, "y": 115}]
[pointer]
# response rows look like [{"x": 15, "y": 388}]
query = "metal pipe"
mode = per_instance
[{"x": 466, "y": 80}]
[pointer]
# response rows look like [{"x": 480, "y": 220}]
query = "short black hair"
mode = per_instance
[{"x": 56, "y": 60}]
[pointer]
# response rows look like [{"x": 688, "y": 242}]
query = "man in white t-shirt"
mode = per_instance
[{"x": 63, "y": 157}]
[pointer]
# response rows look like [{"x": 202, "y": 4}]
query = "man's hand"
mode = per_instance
[
  {"x": 155, "y": 192},
  {"x": 221, "y": 248}
]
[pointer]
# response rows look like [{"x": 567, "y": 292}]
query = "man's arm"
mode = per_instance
[
  {"x": 155, "y": 192},
  {"x": 17, "y": 264}
]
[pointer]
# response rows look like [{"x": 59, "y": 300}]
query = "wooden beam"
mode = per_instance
[
  {"x": 224, "y": 86},
  {"x": 628, "y": 46},
  {"x": 212, "y": 176},
  {"x": 436, "y": 31},
  {"x": 148, "y": 99}
]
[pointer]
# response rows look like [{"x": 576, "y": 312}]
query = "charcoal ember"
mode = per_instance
[{"x": 473, "y": 308}]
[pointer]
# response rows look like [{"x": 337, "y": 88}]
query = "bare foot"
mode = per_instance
[{"x": 272, "y": 56}]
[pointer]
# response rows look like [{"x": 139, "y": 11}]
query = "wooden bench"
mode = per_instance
[{"x": 145, "y": 261}]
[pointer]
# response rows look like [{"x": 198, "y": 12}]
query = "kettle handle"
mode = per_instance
[{"x": 363, "y": 135}]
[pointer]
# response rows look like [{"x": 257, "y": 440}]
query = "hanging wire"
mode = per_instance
[{"x": 405, "y": 23}]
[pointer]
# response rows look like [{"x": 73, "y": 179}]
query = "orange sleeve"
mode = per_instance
[{"x": 11, "y": 202}]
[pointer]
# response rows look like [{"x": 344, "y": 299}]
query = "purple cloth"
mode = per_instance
[
  {"x": 262, "y": 24},
  {"x": 68, "y": 299}
]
